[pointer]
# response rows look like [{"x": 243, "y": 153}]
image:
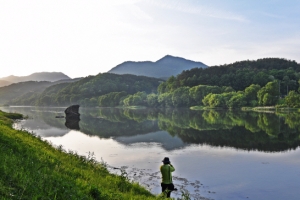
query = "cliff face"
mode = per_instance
[{"x": 164, "y": 67}]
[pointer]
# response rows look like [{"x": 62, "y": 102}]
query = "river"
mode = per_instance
[{"x": 217, "y": 154}]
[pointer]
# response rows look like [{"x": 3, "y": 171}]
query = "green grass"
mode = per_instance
[{"x": 31, "y": 168}]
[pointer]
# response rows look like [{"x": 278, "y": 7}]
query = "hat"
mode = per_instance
[{"x": 166, "y": 160}]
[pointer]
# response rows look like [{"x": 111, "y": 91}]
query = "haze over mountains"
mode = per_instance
[
  {"x": 39, "y": 76},
  {"x": 188, "y": 88},
  {"x": 163, "y": 68}
]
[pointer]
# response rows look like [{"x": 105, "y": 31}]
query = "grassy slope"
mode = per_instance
[{"x": 32, "y": 169}]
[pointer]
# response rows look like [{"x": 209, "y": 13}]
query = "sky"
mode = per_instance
[{"x": 87, "y": 37}]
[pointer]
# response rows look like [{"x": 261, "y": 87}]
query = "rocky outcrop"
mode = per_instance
[
  {"x": 72, "y": 112},
  {"x": 72, "y": 117}
]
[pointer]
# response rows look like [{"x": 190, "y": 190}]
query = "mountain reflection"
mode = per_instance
[
  {"x": 242, "y": 130},
  {"x": 177, "y": 128}
]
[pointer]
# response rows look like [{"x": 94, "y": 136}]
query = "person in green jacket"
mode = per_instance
[{"x": 166, "y": 171}]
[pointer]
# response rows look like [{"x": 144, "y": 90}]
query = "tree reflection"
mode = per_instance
[{"x": 242, "y": 130}]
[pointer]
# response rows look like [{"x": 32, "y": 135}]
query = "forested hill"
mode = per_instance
[
  {"x": 164, "y": 67},
  {"x": 26, "y": 89},
  {"x": 16, "y": 90},
  {"x": 87, "y": 91},
  {"x": 239, "y": 75}
]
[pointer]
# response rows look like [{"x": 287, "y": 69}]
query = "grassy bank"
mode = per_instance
[{"x": 32, "y": 169}]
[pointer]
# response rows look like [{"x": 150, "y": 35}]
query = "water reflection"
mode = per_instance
[
  {"x": 241, "y": 130},
  {"x": 72, "y": 124},
  {"x": 163, "y": 138},
  {"x": 174, "y": 129},
  {"x": 139, "y": 139}
]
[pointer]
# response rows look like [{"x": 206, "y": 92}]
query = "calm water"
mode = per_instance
[{"x": 217, "y": 155}]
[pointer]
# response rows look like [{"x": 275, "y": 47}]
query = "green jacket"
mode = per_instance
[{"x": 166, "y": 172}]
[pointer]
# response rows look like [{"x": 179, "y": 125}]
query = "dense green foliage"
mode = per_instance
[
  {"x": 92, "y": 91},
  {"x": 33, "y": 169},
  {"x": 239, "y": 75},
  {"x": 16, "y": 90},
  {"x": 248, "y": 83},
  {"x": 293, "y": 99},
  {"x": 264, "y": 82}
]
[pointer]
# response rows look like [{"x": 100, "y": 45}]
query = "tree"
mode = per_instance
[
  {"x": 197, "y": 93},
  {"x": 152, "y": 100},
  {"x": 214, "y": 100},
  {"x": 180, "y": 97},
  {"x": 293, "y": 99},
  {"x": 237, "y": 100},
  {"x": 138, "y": 99},
  {"x": 165, "y": 99},
  {"x": 269, "y": 94},
  {"x": 111, "y": 99},
  {"x": 251, "y": 94}
]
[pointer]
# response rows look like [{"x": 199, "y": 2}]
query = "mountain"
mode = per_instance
[
  {"x": 4, "y": 83},
  {"x": 15, "y": 90},
  {"x": 39, "y": 76},
  {"x": 240, "y": 75},
  {"x": 164, "y": 67},
  {"x": 87, "y": 91},
  {"x": 24, "y": 90}
]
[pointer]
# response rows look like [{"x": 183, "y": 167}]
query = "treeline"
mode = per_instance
[
  {"x": 265, "y": 82},
  {"x": 16, "y": 90},
  {"x": 217, "y": 97},
  {"x": 87, "y": 91},
  {"x": 209, "y": 96},
  {"x": 239, "y": 75}
]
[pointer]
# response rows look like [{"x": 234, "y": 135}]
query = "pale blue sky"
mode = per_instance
[{"x": 85, "y": 37}]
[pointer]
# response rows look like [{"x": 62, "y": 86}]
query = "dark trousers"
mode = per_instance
[{"x": 170, "y": 187}]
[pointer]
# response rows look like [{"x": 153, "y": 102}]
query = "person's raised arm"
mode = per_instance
[{"x": 172, "y": 168}]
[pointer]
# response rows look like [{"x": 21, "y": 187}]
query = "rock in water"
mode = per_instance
[
  {"x": 72, "y": 124},
  {"x": 72, "y": 112}
]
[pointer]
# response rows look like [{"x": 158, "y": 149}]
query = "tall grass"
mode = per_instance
[{"x": 31, "y": 168}]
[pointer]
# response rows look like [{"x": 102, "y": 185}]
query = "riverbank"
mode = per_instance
[{"x": 32, "y": 169}]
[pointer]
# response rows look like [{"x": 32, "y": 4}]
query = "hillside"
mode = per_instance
[
  {"x": 240, "y": 75},
  {"x": 87, "y": 90},
  {"x": 165, "y": 67},
  {"x": 263, "y": 82},
  {"x": 24, "y": 90},
  {"x": 18, "y": 89},
  {"x": 32, "y": 168},
  {"x": 4, "y": 83},
  {"x": 39, "y": 76}
]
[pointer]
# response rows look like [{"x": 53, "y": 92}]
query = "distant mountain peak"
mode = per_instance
[
  {"x": 37, "y": 76},
  {"x": 169, "y": 57},
  {"x": 165, "y": 67}
]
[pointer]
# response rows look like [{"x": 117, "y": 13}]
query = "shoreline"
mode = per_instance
[{"x": 41, "y": 170}]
